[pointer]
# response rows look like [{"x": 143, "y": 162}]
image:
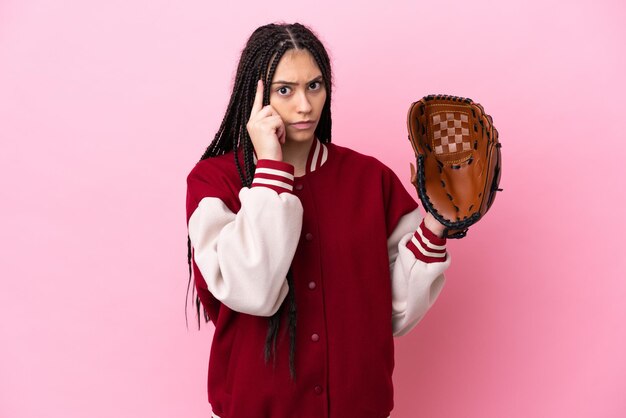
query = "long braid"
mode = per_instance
[{"x": 259, "y": 60}]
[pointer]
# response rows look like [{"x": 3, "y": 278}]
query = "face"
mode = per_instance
[{"x": 298, "y": 93}]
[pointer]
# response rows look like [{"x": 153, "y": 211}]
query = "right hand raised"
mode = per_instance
[{"x": 266, "y": 128}]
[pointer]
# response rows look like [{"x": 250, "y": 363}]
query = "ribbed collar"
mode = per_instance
[{"x": 318, "y": 155}]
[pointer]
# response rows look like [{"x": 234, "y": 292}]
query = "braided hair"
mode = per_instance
[{"x": 259, "y": 59}]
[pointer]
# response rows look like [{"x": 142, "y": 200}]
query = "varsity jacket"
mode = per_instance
[{"x": 365, "y": 270}]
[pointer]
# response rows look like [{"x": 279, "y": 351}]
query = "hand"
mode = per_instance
[
  {"x": 266, "y": 128},
  {"x": 433, "y": 225},
  {"x": 430, "y": 222}
]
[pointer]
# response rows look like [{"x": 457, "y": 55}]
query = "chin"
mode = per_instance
[{"x": 301, "y": 136}]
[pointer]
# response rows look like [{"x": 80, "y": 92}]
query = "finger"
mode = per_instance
[
  {"x": 272, "y": 110},
  {"x": 258, "y": 98},
  {"x": 273, "y": 122},
  {"x": 265, "y": 111},
  {"x": 279, "y": 120},
  {"x": 280, "y": 133}
]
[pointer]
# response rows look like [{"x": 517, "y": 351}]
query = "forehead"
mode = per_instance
[{"x": 297, "y": 65}]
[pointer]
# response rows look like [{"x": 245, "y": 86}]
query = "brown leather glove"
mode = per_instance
[{"x": 458, "y": 160}]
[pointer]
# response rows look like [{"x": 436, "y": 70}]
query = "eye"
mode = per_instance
[
  {"x": 281, "y": 90},
  {"x": 318, "y": 83}
]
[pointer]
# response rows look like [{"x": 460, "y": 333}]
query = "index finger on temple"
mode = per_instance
[{"x": 258, "y": 97}]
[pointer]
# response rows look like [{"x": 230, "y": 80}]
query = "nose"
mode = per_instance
[{"x": 303, "y": 103}]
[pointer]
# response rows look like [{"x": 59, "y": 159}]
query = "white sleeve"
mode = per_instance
[
  {"x": 418, "y": 259},
  {"x": 244, "y": 257}
]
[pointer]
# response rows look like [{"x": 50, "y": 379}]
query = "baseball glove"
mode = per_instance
[{"x": 458, "y": 160}]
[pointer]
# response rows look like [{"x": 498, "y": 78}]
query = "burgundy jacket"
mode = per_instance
[{"x": 365, "y": 269}]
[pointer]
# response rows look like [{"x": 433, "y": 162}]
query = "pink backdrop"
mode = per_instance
[{"x": 106, "y": 106}]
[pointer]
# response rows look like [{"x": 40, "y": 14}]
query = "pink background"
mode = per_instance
[{"x": 106, "y": 106}]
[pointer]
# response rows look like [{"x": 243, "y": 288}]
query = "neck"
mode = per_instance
[{"x": 296, "y": 153}]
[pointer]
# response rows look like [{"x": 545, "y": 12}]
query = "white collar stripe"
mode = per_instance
[
  {"x": 315, "y": 154},
  {"x": 324, "y": 154}
]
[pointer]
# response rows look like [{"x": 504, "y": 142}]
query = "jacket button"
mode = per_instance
[
  {"x": 312, "y": 285},
  {"x": 299, "y": 186},
  {"x": 315, "y": 337},
  {"x": 318, "y": 389},
  {"x": 308, "y": 236}
]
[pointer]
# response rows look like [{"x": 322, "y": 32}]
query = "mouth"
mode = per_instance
[{"x": 303, "y": 124}]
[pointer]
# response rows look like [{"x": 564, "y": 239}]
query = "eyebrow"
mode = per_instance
[{"x": 318, "y": 78}]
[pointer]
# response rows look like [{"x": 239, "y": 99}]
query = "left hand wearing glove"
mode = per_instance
[{"x": 458, "y": 160}]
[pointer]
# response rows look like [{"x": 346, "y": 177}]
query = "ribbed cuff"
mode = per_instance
[
  {"x": 427, "y": 246},
  {"x": 274, "y": 174}
]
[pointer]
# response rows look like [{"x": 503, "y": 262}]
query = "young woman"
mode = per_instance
[{"x": 308, "y": 257}]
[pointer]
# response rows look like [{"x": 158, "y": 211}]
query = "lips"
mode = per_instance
[{"x": 303, "y": 124}]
